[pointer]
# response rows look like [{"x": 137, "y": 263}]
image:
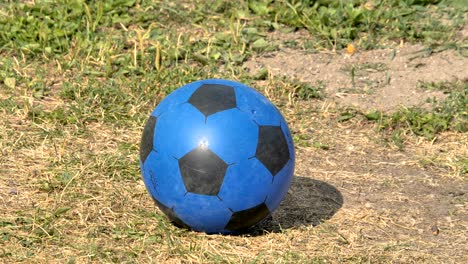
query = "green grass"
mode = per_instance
[
  {"x": 236, "y": 30},
  {"x": 370, "y": 23}
]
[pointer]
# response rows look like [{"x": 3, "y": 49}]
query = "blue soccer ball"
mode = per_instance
[{"x": 216, "y": 156}]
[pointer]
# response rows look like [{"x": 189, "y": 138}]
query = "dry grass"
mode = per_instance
[{"x": 356, "y": 201}]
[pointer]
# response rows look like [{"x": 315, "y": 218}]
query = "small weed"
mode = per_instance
[
  {"x": 346, "y": 115},
  {"x": 387, "y": 183},
  {"x": 9, "y": 105},
  {"x": 392, "y": 247},
  {"x": 291, "y": 256},
  {"x": 397, "y": 139},
  {"x": 321, "y": 145},
  {"x": 363, "y": 85},
  {"x": 302, "y": 140},
  {"x": 419, "y": 121},
  {"x": 463, "y": 165},
  {"x": 363, "y": 68},
  {"x": 281, "y": 88},
  {"x": 446, "y": 87},
  {"x": 306, "y": 91}
]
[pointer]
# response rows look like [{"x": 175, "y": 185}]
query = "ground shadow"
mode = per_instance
[{"x": 309, "y": 202}]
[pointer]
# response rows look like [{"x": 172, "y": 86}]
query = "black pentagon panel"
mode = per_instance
[
  {"x": 272, "y": 148},
  {"x": 170, "y": 214},
  {"x": 247, "y": 218},
  {"x": 146, "y": 145},
  {"x": 213, "y": 98},
  {"x": 202, "y": 171}
]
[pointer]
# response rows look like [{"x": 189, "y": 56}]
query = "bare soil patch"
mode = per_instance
[{"x": 381, "y": 79}]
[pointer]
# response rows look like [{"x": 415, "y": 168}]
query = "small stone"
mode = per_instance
[{"x": 435, "y": 230}]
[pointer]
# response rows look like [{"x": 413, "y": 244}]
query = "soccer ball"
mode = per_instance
[{"x": 216, "y": 156}]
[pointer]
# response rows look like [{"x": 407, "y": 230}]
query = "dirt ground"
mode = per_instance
[
  {"x": 377, "y": 198},
  {"x": 384, "y": 79}
]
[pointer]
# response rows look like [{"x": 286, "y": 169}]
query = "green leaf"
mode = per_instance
[
  {"x": 376, "y": 115},
  {"x": 10, "y": 82},
  {"x": 259, "y": 7},
  {"x": 201, "y": 59},
  {"x": 260, "y": 44},
  {"x": 61, "y": 211},
  {"x": 321, "y": 146},
  {"x": 65, "y": 177},
  {"x": 262, "y": 74},
  {"x": 345, "y": 116}
]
